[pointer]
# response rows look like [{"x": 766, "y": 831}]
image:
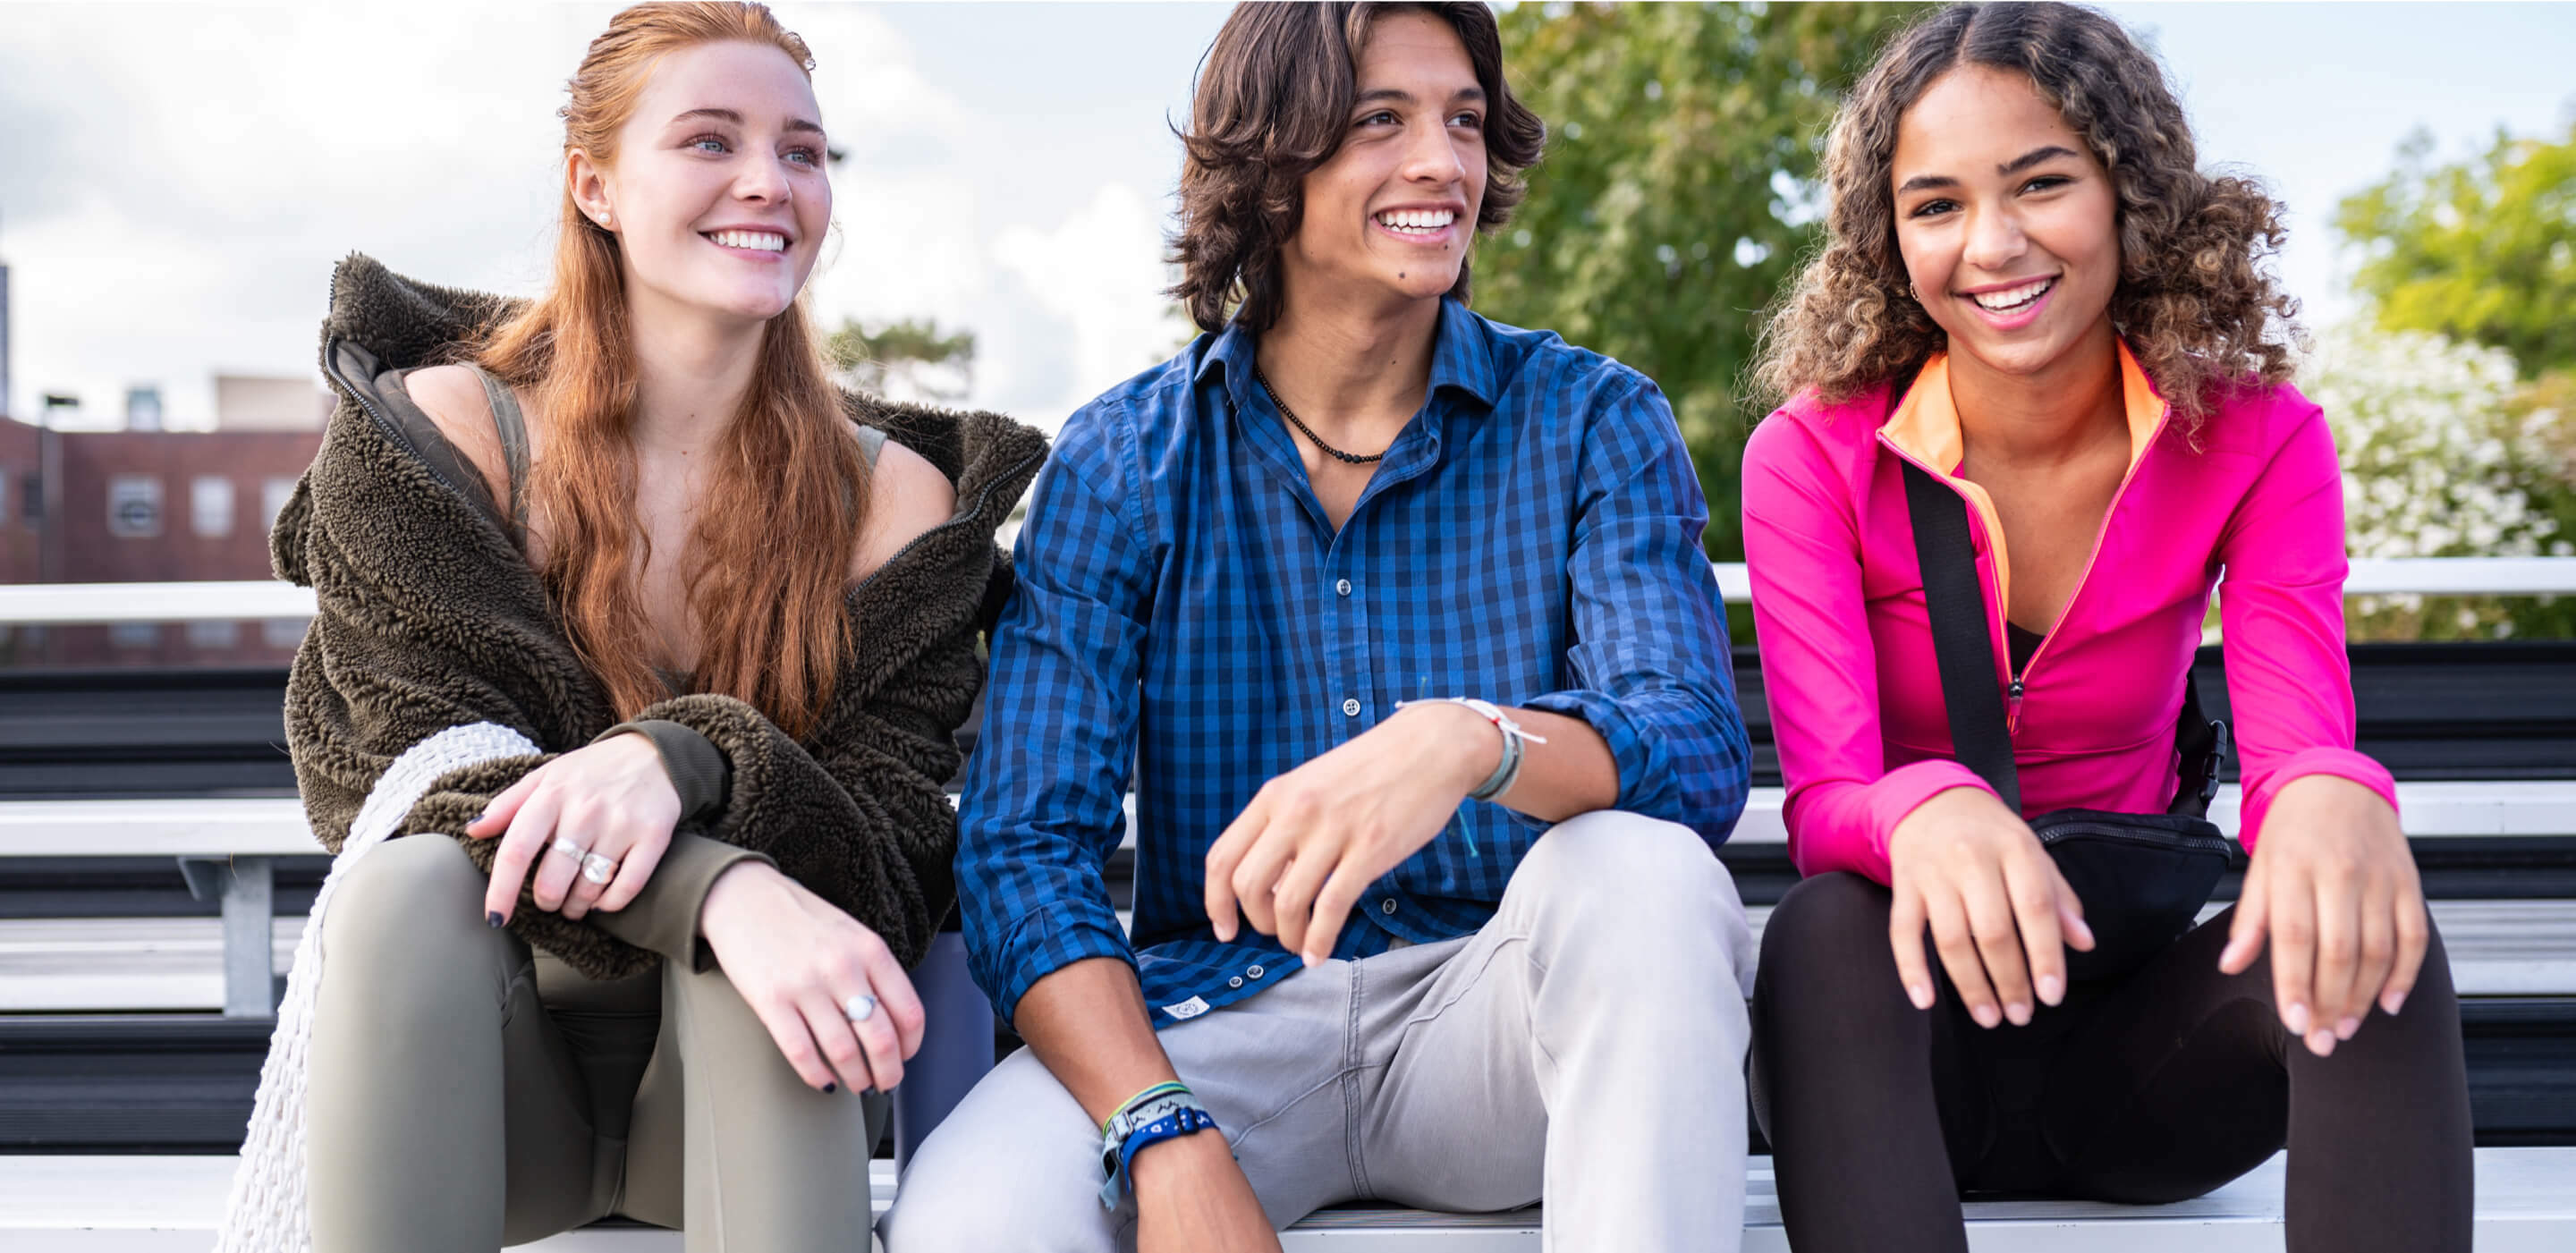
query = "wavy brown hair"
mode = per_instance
[
  {"x": 768, "y": 561},
  {"x": 1273, "y": 103},
  {"x": 2194, "y": 301}
]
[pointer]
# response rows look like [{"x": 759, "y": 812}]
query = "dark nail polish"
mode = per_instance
[
  {"x": 492, "y": 919},
  {"x": 831, "y": 1088}
]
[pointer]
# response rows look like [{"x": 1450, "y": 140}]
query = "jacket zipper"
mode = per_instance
[
  {"x": 982, "y": 495},
  {"x": 2176, "y": 839},
  {"x": 2017, "y": 681},
  {"x": 2012, "y": 714}
]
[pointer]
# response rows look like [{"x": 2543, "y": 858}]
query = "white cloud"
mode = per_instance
[
  {"x": 180, "y": 180},
  {"x": 1100, "y": 274}
]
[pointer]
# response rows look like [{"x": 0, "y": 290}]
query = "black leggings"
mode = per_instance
[{"x": 2157, "y": 1087}]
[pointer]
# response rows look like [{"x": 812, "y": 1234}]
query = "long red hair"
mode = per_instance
[{"x": 768, "y": 561}]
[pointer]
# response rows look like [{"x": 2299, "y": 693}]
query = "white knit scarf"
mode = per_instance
[{"x": 267, "y": 1212}]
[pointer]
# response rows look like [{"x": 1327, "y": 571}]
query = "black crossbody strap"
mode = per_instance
[
  {"x": 1956, "y": 604},
  {"x": 2200, "y": 747}
]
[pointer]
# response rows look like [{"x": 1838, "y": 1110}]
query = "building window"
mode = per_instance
[
  {"x": 214, "y": 636},
  {"x": 4, "y": 498},
  {"x": 135, "y": 634},
  {"x": 210, "y": 505},
  {"x": 31, "y": 499},
  {"x": 134, "y": 506},
  {"x": 283, "y": 632},
  {"x": 273, "y": 494}
]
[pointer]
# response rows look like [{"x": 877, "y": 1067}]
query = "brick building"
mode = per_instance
[{"x": 138, "y": 506}]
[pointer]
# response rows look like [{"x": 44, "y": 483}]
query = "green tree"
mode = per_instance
[
  {"x": 2483, "y": 249},
  {"x": 1679, "y": 192},
  {"x": 913, "y": 354}
]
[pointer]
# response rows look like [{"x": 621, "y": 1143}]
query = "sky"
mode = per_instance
[{"x": 176, "y": 180}]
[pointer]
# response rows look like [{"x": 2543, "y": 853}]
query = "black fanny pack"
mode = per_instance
[{"x": 2143, "y": 878}]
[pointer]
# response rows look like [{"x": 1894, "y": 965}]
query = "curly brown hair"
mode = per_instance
[
  {"x": 1273, "y": 103},
  {"x": 2195, "y": 301}
]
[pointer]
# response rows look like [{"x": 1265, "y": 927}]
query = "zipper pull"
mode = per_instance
[{"x": 2012, "y": 707}]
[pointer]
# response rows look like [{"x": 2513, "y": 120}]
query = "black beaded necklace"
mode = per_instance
[{"x": 1347, "y": 458}]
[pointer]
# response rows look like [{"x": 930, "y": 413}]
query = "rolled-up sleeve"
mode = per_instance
[
  {"x": 1649, "y": 665},
  {"x": 1042, "y": 809}
]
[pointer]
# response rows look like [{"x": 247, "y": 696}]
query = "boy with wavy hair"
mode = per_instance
[{"x": 1398, "y": 620}]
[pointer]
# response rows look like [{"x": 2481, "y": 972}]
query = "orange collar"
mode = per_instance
[{"x": 1925, "y": 427}]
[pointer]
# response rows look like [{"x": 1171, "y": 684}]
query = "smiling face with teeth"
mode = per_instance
[
  {"x": 717, "y": 192},
  {"x": 2007, "y": 224},
  {"x": 1392, "y": 211}
]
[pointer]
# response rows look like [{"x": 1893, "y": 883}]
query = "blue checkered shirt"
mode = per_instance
[{"x": 1532, "y": 538}]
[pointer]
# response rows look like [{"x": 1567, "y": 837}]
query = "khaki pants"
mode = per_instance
[
  {"x": 465, "y": 1094},
  {"x": 1587, "y": 1044}
]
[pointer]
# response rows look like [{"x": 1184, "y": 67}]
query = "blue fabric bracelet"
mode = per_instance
[{"x": 1170, "y": 1127}]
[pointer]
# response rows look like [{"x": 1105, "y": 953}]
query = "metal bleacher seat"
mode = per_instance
[{"x": 149, "y": 835}]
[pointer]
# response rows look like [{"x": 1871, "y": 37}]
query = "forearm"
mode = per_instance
[
  {"x": 1087, "y": 1022},
  {"x": 1572, "y": 773},
  {"x": 667, "y": 917}
]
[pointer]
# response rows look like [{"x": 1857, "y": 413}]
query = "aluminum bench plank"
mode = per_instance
[
  {"x": 2526, "y": 1201},
  {"x": 93, "y": 965},
  {"x": 274, "y": 826}
]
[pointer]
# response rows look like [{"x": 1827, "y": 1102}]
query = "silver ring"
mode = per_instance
[
  {"x": 597, "y": 869},
  {"x": 859, "y": 1008},
  {"x": 564, "y": 845}
]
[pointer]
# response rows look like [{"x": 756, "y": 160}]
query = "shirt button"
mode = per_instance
[
  {"x": 1255, "y": 972},
  {"x": 1235, "y": 982},
  {"x": 1343, "y": 587},
  {"x": 1351, "y": 707},
  {"x": 1386, "y": 906}
]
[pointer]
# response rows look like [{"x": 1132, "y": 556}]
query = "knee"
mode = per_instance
[
  {"x": 412, "y": 903},
  {"x": 1623, "y": 896},
  {"x": 1014, "y": 1166},
  {"x": 1826, "y": 942},
  {"x": 1619, "y": 869},
  {"x": 1826, "y": 922}
]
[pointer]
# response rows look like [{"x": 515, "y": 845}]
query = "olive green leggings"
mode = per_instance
[{"x": 465, "y": 1095}]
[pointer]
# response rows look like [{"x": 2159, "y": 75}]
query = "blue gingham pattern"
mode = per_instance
[{"x": 1532, "y": 537}]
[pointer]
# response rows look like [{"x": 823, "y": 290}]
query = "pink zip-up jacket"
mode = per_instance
[{"x": 1847, "y": 655}]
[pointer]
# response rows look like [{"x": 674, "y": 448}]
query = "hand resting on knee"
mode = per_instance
[
  {"x": 593, "y": 825},
  {"x": 2000, "y": 914}
]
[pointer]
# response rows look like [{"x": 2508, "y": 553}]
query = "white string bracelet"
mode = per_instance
[{"x": 1515, "y": 740}]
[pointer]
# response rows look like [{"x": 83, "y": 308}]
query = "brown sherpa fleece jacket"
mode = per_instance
[{"x": 429, "y": 618}]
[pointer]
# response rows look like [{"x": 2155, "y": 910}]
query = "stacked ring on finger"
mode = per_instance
[
  {"x": 571, "y": 848},
  {"x": 598, "y": 869},
  {"x": 859, "y": 1008}
]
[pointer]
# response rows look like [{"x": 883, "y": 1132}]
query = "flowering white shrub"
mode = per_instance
[{"x": 2435, "y": 456}]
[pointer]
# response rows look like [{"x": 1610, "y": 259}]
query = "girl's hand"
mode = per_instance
[
  {"x": 798, "y": 961},
  {"x": 2334, "y": 886},
  {"x": 611, "y": 800},
  {"x": 2000, "y": 914}
]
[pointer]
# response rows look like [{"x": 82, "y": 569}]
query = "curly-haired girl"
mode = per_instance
[{"x": 2031, "y": 295}]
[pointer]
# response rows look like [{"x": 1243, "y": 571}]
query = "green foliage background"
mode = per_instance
[
  {"x": 2483, "y": 249},
  {"x": 1678, "y": 195}
]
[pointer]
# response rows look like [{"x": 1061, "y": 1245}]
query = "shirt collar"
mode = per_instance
[
  {"x": 1926, "y": 423},
  {"x": 1462, "y": 357}
]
